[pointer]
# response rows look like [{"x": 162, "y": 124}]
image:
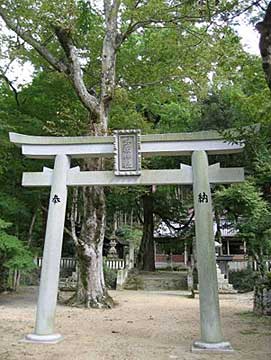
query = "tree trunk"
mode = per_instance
[
  {"x": 218, "y": 235},
  {"x": 31, "y": 227},
  {"x": 16, "y": 279},
  {"x": 4, "y": 275},
  {"x": 92, "y": 291},
  {"x": 264, "y": 28},
  {"x": 146, "y": 259}
]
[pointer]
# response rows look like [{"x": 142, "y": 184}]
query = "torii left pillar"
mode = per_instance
[{"x": 44, "y": 328}]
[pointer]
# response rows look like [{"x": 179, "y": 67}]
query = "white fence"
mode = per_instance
[
  {"x": 65, "y": 263},
  {"x": 118, "y": 264},
  {"x": 242, "y": 265},
  {"x": 70, "y": 263},
  {"x": 267, "y": 265},
  {"x": 237, "y": 265}
]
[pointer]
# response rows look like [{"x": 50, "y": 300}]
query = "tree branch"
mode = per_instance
[
  {"x": 240, "y": 12},
  {"x": 161, "y": 82},
  {"x": 12, "y": 87},
  {"x": 133, "y": 26},
  {"x": 175, "y": 228},
  {"x": 72, "y": 70},
  {"x": 144, "y": 23},
  {"x": 110, "y": 45},
  {"x": 42, "y": 50},
  {"x": 75, "y": 73}
]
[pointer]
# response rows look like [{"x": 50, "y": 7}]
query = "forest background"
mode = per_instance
[{"x": 158, "y": 66}]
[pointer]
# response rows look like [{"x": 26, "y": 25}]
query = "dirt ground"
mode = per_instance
[{"x": 144, "y": 326}]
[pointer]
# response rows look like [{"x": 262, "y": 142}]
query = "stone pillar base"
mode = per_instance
[
  {"x": 42, "y": 339},
  {"x": 200, "y": 346}
]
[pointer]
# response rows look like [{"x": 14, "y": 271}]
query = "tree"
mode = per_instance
[
  {"x": 264, "y": 28},
  {"x": 246, "y": 210},
  {"x": 263, "y": 165},
  {"x": 93, "y": 292},
  {"x": 38, "y": 111}
]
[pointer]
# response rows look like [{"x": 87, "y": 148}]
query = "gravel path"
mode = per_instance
[{"x": 144, "y": 326}]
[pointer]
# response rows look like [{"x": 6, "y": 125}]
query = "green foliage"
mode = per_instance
[
  {"x": 245, "y": 208},
  {"x": 241, "y": 199},
  {"x": 47, "y": 106},
  {"x": 131, "y": 234},
  {"x": 263, "y": 172},
  {"x": 124, "y": 115},
  {"x": 52, "y": 100},
  {"x": 13, "y": 255},
  {"x": 268, "y": 280},
  {"x": 18, "y": 206},
  {"x": 264, "y": 282},
  {"x": 175, "y": 73},
  {"x": 123, "y": 199},
  {"x": 243, "y": 280}
]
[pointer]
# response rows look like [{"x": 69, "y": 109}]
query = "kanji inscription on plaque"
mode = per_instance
[{"x": 127, "y": 152}]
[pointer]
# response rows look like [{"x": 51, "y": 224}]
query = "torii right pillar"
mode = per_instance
[{"x": 211, "y": 334}]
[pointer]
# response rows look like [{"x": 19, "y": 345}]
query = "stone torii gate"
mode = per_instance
[{"x": 127, "y": 148}]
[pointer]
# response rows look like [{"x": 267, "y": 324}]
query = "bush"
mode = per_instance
[
  {"x": 243, "y": 280},
  {"x": 262, "y": 295},
  {"x": 30, "y": 278},
  {"x": 268, "y": 280},
  {"x": 14, "y": 255}
]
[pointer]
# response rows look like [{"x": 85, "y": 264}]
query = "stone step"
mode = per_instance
[{"x": 157, "y": 281}]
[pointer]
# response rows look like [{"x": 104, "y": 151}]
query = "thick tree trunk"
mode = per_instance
[
  {"x": 264, "y": 28},
  {"x": 146, "y": 259},
  {"x": 91, "y": 290}
]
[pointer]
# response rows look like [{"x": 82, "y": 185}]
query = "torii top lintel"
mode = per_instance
[{"x": 95, "y": 146}]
